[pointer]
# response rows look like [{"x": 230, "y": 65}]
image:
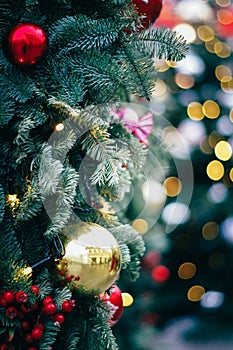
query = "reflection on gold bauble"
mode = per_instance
[{"x": 92, "y": 257}]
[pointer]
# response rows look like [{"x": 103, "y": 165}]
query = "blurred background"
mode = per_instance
[{"x": 184, "y": 297}]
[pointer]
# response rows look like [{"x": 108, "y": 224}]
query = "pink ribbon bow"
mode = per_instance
[{"x": 140, "y": 127}]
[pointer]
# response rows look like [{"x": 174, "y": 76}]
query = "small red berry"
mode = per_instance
[
  {"x": 25, "y": 326},
  {"x": 21, "y": 297},
  {"x": 37, "y": 333},
  {"x": 59, "y": 318},
  {"x": 32, "y": 348},
  {"x": 34, "y": 307},
  {"x": 35, "y": 289},
  {"x": 3, "y": 301},
  {"x": 50, "y": 308},
  {"x": 47, "y": 300},
  {"x": 11, "y": 312},
  {"x": 40, "y": 326},
  {"x": 77, "y": 278},
  {"x": 29, "y": 338},
  {"x": 25, "y": 309},
  {"x": 68, "y": 305},
  {"x": 9, "y": 297}
]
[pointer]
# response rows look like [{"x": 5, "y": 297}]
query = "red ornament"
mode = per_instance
[
  {"x": 151, "y": 259},
  {"x": 21, "y": 297},
  {"x": 160, "y": 273},
  {"x": 115, "y": 303},
  {"x": 50, "y": 308},
  {"x": 27, "y": 43},
  {"x": 59, "y": 318},
  {"x": 9, "y": 297},
  {"x": 37, "y": 333},
  {"x": 150, "y": 8}
]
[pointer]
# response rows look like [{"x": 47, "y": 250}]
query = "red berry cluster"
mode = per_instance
[
  {"x": 67, "y": 279},
  {"x": 31, "y": 317}
]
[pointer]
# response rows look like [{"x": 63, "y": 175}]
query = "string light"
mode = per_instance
[{"x": 59, "y": 127}]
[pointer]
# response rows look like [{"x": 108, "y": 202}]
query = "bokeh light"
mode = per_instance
[
  {"x": 224, "y": 16},
  {"x": 187, "y": 31},
  {"x": 217, "y": 193},
  {"x": 195, "y": 293},
  {"x": 223, "y": 73},
  {"x": 160, "y": 274},
  {"x": 187, "y": 270},
  {"x": 205, "y": 33},
  {"x": 140, "y": 225},
  {"x": 211, "y": 109},
  {"x": 184, "y": 81},
  {"x": 172, "y": 186},
  {"x": 223, "y": 150},
  {"x": 127, "y": 299},
  {"x": 159, "y": 89},
  {"x": 212, "y": 299},
  {"x": 231, "y": 174},
  {"x": 210, "y": 230},
  {"x": 176, "y": 213},
  {"x": 195, "y": 111},
  {"x": 216, "y": 261},
  {"x": 215, "y": 170},
  {"x": 223, "y": 3},
  {"x": 227, "y": 229}
]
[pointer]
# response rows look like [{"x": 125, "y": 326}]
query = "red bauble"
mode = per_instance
[
  {"x": 50, "y": 308},
  {"x": 27, "y": 43},
  {"x": 160, "y": 273},
  {"x": 48, "y": 300},
  {"x": 150, "y": 8},
  {"x": 115, "y": 303}
]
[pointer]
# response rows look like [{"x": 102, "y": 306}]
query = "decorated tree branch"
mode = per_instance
[{"x": 65, "y": 155}]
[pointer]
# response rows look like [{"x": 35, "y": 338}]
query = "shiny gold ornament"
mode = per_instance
[{"x": 92, "y": 259}]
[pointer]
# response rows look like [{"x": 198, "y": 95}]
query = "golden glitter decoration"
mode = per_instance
[{"x": 92, "y": 258}]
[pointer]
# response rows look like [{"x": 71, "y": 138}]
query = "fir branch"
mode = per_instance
[
  {"x": 61, "y": 209},
  {"x": 82, "y": 33},
  {"x": 61, "y": 295},
  {"x": 105, "y": 151},
  {"x": 50, "y": 334},
  {"x": 49, "y": 174},
  {"x": 161, "y": 42},
  {"x": 7, "y": 110}
]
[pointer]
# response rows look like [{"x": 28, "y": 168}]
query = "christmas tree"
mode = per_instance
[{"x": 66, "y": 154}]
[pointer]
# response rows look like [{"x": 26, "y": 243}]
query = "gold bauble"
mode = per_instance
[{"x": 92, "y": 259}]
